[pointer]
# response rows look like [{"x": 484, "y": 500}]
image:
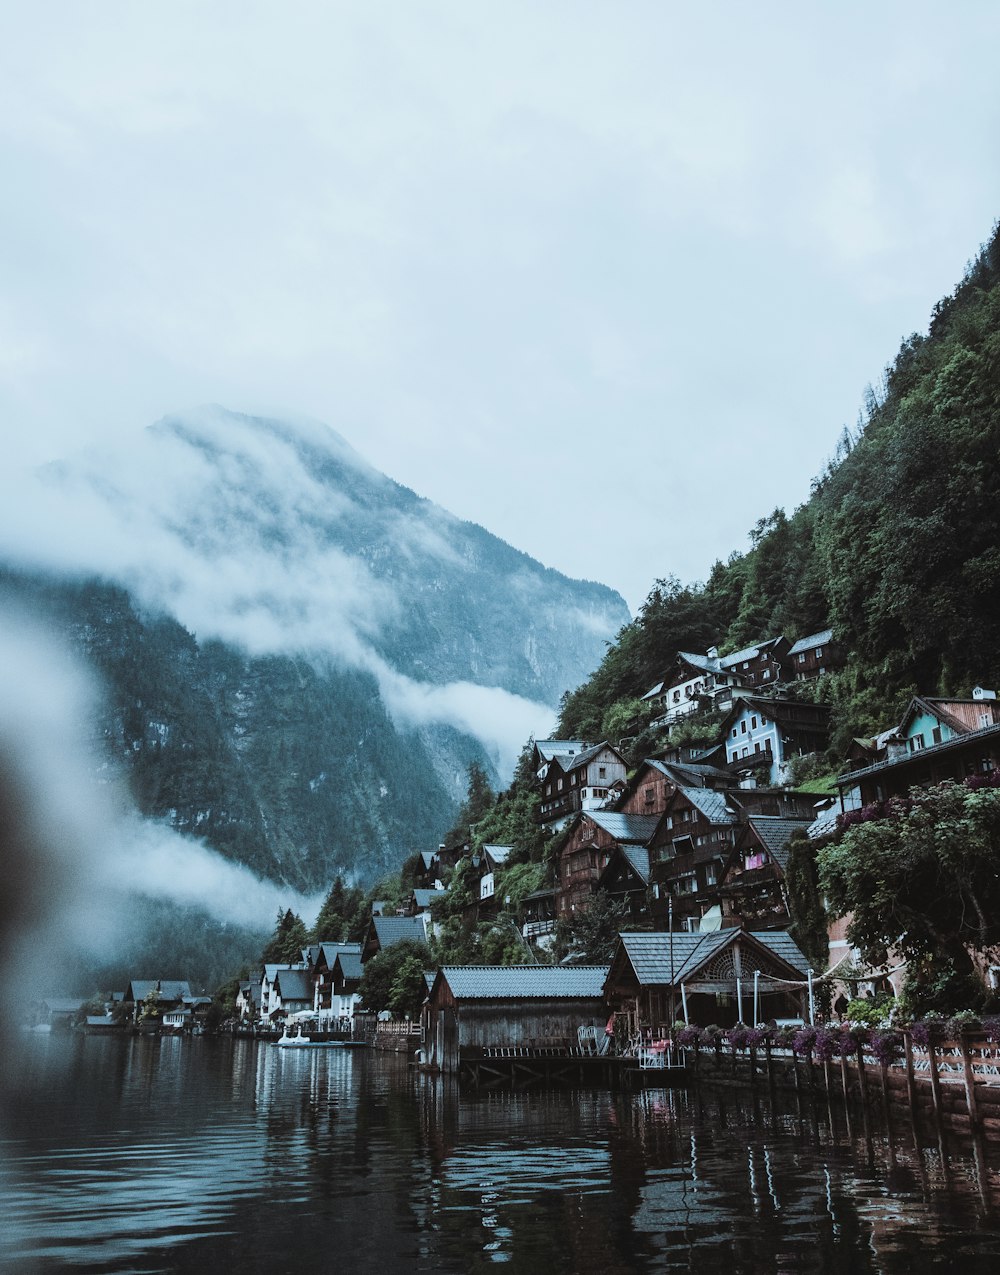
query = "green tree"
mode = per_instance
[
  {"x": 388, "y": 981},
  {"x": 289, "y": 938},
  {"x": 922, "y": 882},
  {"x": 478, "y": 800},
  {"x": 593, "y": 935},
  {"x": 337, "y": 912}
]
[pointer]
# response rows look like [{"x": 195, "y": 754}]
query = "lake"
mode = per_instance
[{"x": 151, "y": 1155}]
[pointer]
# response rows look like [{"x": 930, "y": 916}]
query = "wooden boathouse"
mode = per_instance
[
  {"x": 723, "y": 977},
  {"x": 474, "y": 1012}
]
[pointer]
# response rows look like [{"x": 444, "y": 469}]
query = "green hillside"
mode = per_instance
[{"x": 897, "y": 549}]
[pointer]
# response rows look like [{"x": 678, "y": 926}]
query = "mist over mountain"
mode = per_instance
[{"x": 299, "y": 655}]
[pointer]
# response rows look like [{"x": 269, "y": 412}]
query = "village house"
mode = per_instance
[
  {"x": 538, "y": 917},
  {"x": 420, "y": 900},
  {"x": 322, "y": 974},
  {"x": 936, "y": 739},
  {"x": 347, "y": 970},
  {"x": 752, "y": 888},
  {"x": 492, "y": 859},
  {"x": 813, "y": 656},
  {"x": 712, "y": 681},
  {"x": 291, "y": 992},
  {"x": 474, "y": 1008},
  {"x": 544, "y": 750},
  {"x": 583, "y": 781},
  {"x": 268, "y": 977},
  {"x": 763, "y": 736},
  {"x": 691, "y": 843},
  {"x": 722, "y": 977},
  {"x": 165, "y": 994},
  {"x": 248, "y": 1000},
  {"x": 587, "y": 852},
  {"x": 626, "y": 881}
]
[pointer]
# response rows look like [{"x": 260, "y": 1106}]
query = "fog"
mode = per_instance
[
  {"x": 225, "y": 523},
  {"x": 76, "y": 853}
]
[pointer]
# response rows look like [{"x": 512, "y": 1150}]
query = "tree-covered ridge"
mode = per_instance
[{"x": 897, "y": 549}]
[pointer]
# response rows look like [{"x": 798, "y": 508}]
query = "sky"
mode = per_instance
[{"x": 619, "y": 270}]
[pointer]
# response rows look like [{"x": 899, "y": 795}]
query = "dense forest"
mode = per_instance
[{"x": 897, "y": 548}]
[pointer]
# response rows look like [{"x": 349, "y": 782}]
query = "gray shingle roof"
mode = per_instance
[
  {"x": 170, "y": 989},
  {"x": 649, "y": 954},
  {"x": 712, "y": 804},
  {"x": 638, "y": 857},
  {"x": 525, "y": 982},
  {"x": 427, "y": 859},
  {"x": 294, "y": 985},
  {"x": 498, "y": 854},
  {"x": 549, "y": 748},
  {"x": 583, "y": 758},
  {"x": 814, "y": 639},
  {"x": 332, "y": 950},
  {"x": 775, "y": 832},
  {"x": 424, "y": 898},
  {"x": 637, "y": 829},
  {"x": 350, "y": 964},
  {"x": 394, "y": 929}
]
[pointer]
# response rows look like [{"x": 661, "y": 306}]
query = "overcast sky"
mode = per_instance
[{"x": 606, "y": 278}]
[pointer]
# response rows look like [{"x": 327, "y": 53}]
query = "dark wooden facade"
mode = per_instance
[{"x": 687, "y": 854}]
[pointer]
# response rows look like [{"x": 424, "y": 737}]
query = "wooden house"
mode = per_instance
[
  {"x": 346, "y": 978},
  {"x": 762, "y": 736},
  {"x": 474, "y": 1008},
  {"x": 701, "y": 681},
  {"x": 626, "y": 880},
  {"x": 582, "y": 781},
  {"x": 753, "y": 883},
  {"x": 492, "y": 859},
  {"x": 813, "y": 656},
  {"x": 936, "y": 739},
  {"x": 587, "y": 852},
  {"x": 421, "y": 900},
  {"x": 538, "y": 916},
  {"x": 656, "y": 979},
  {"x": 692, "y": 842}
]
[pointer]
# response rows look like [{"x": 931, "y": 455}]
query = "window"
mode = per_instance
[
  {"x": 648, "y": 795},
  {"x": 916, "y": 743},
  {"x": 802, "y": 657},
  {"x": 756, "y": 746},
  {"x": 677, "y": 697},
  {"x": 670, "y": 821},
  {"x": 734, "y": 756},
  {"x": 936, "y": 735},
  {"x": 587, "y": 831},
  {"x": 753, "y": 723},
  {"x": 763, "y": 721},
  {"x": 602, "y": 772},
  {"x": 767, "y": 674},
  {"x": 746, "y": 663},
  {"x": 734, "y": 732},
  {"x": 710, "y": 874},
  {"x": 743, "y": 728},
  {"x": 819, "y": 652},
  {"x": 559, "y": 783}
]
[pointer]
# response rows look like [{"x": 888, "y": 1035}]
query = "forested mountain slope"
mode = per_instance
[{"x": 897, "y": 549}]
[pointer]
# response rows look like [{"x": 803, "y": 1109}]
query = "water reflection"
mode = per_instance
[{"x": 173, "y": 1155}]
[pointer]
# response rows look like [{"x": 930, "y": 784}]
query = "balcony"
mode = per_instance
[{"x": 751, "y": 761}]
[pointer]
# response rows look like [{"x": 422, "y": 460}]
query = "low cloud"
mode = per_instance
[
  {"x": 76, "y": 852},
  {"x": 500, "y": 720},
  {"x": 234, "y": 526}
]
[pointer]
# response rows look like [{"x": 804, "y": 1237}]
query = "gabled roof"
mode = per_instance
[
  {"x": 636, "y": 829},
  {"x": 814, "y": 639},
  {"x": 394, "y": 929},
  {"x": 427, "y": 858},
  {"x": 330, "y": 951},
  {"x": 524, "y": 982},
  {"x": 429, "y": 977},
  {"x": 64, "y": 1004},
  {"x": 498, "y": 855},
  {"x": 650, "y": 954},
  {"x": 424, "y": 898},
  {"x": 775, "y": 832},
  {"x": 310, "y": 953},
  {"x": 910, "y": 759},
  {"x": 294, "y": 985},
  {"x": 569, "y": 764},
  {"x": 782, "y": 711},
  {"x": 271, "y": 971},
  {"x": 938, "y": 708},
  {"x": 654, "y": 691},
  {"x": 350, "y": 965},
  {"x": 638, "y": 857},
  {"x": 712, "y": 804},
  {"x": 704, "y": 663}
]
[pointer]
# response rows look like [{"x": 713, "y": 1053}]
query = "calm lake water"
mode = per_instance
[{"x": 215, "y": 1155}]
